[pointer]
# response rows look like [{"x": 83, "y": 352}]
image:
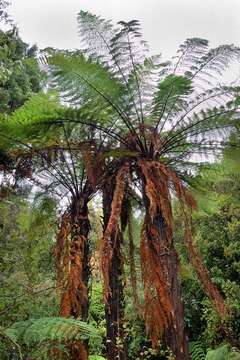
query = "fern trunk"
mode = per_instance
[
  {"x": 74, "y": 300},
  {"x": 114, "y": 306},
  {"x": 164, "y": 312}
]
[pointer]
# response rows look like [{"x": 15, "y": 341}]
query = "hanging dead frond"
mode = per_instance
[
  {"x": 112, "y": 227},
  {"x": 159, "y": 259},
  {"x": 158, "y": 311},
  {"x": 69, "y": 258},
  {"x": 156, "y": 244},
  {"x": 182, "y": 191},
  {"x": 75, "y": 293},
  {"x": 157, "y": 192},
  {"x": 93, "y": 162},
  {"x": 75, "y": 297}
]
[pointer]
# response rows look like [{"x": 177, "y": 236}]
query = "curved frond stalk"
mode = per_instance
[
  {"x": 200, "y": 124},
  {"x": 222, "y": 94}
]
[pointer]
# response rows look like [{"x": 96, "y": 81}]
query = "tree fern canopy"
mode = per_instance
[{"x": 168, "y": 111}]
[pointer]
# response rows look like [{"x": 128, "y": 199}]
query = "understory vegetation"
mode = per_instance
[{"x": 119, "y": 199}]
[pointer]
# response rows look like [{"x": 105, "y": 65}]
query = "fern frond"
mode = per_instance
[
  {"x": 58, "y": 329},
  {"x": 196, "y": 350},
  {"x": 83, "y": 82},
  {"x": 170, "y": 98},
  {"x": 9, "y": 337},
  {"x": 27, "y": 121}
]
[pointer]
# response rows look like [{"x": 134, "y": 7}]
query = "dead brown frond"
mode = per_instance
[
  {"x": 69, "y": 255},
  {"x": 75, "y": 295},
  {"x": 93, "y": 162},
  {"x": 156, "y": 188},
  {"x": 158, "y": 255},
  {"x": 158, "y": 312},
  {"x": 112, "y": 226}
]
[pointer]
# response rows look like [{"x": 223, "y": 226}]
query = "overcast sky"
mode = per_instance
[{"x": 165, "y": 23}]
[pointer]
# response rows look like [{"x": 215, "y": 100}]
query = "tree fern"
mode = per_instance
[
  {"x": 130, "y": 91},
  {"x": 163, "y": 117}
]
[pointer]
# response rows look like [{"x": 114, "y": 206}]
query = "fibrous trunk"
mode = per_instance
[
  {"x": 164, "y": 313},
  {"x": 72, "y": 257},
  {"x": 112, "y": 262}
]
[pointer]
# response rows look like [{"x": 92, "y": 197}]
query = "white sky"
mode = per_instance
[{"x": 166, "y": 23}]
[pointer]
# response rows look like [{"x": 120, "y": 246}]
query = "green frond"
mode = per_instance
[
  {"x": 170, "y": 98},
  {"x": 26, "y": 122},
  {"x": 204, "y": 131},
  {"x": 188, "y": 55},
  {"x": 89, "y": 85},
  {"x": 60, "y": 330},
  {"x": 125, "y": 54},
  {"x": 214, "y": 62},
  {"x": 96, "y": 34},
  {"x": 196, "y": 350},
  {"x": 196, "y": 61}
]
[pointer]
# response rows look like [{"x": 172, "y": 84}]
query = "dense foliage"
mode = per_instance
[{"x": 20, "y": 76}]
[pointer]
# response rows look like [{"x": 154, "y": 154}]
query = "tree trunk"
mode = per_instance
[
  {"x": 160, "y": 274},
  {"x": 74, "y": 298},
  {"x": 114, "y": 307}
]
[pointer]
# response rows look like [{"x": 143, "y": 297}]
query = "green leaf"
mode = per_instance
[{"x": 220, "y": 353}]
